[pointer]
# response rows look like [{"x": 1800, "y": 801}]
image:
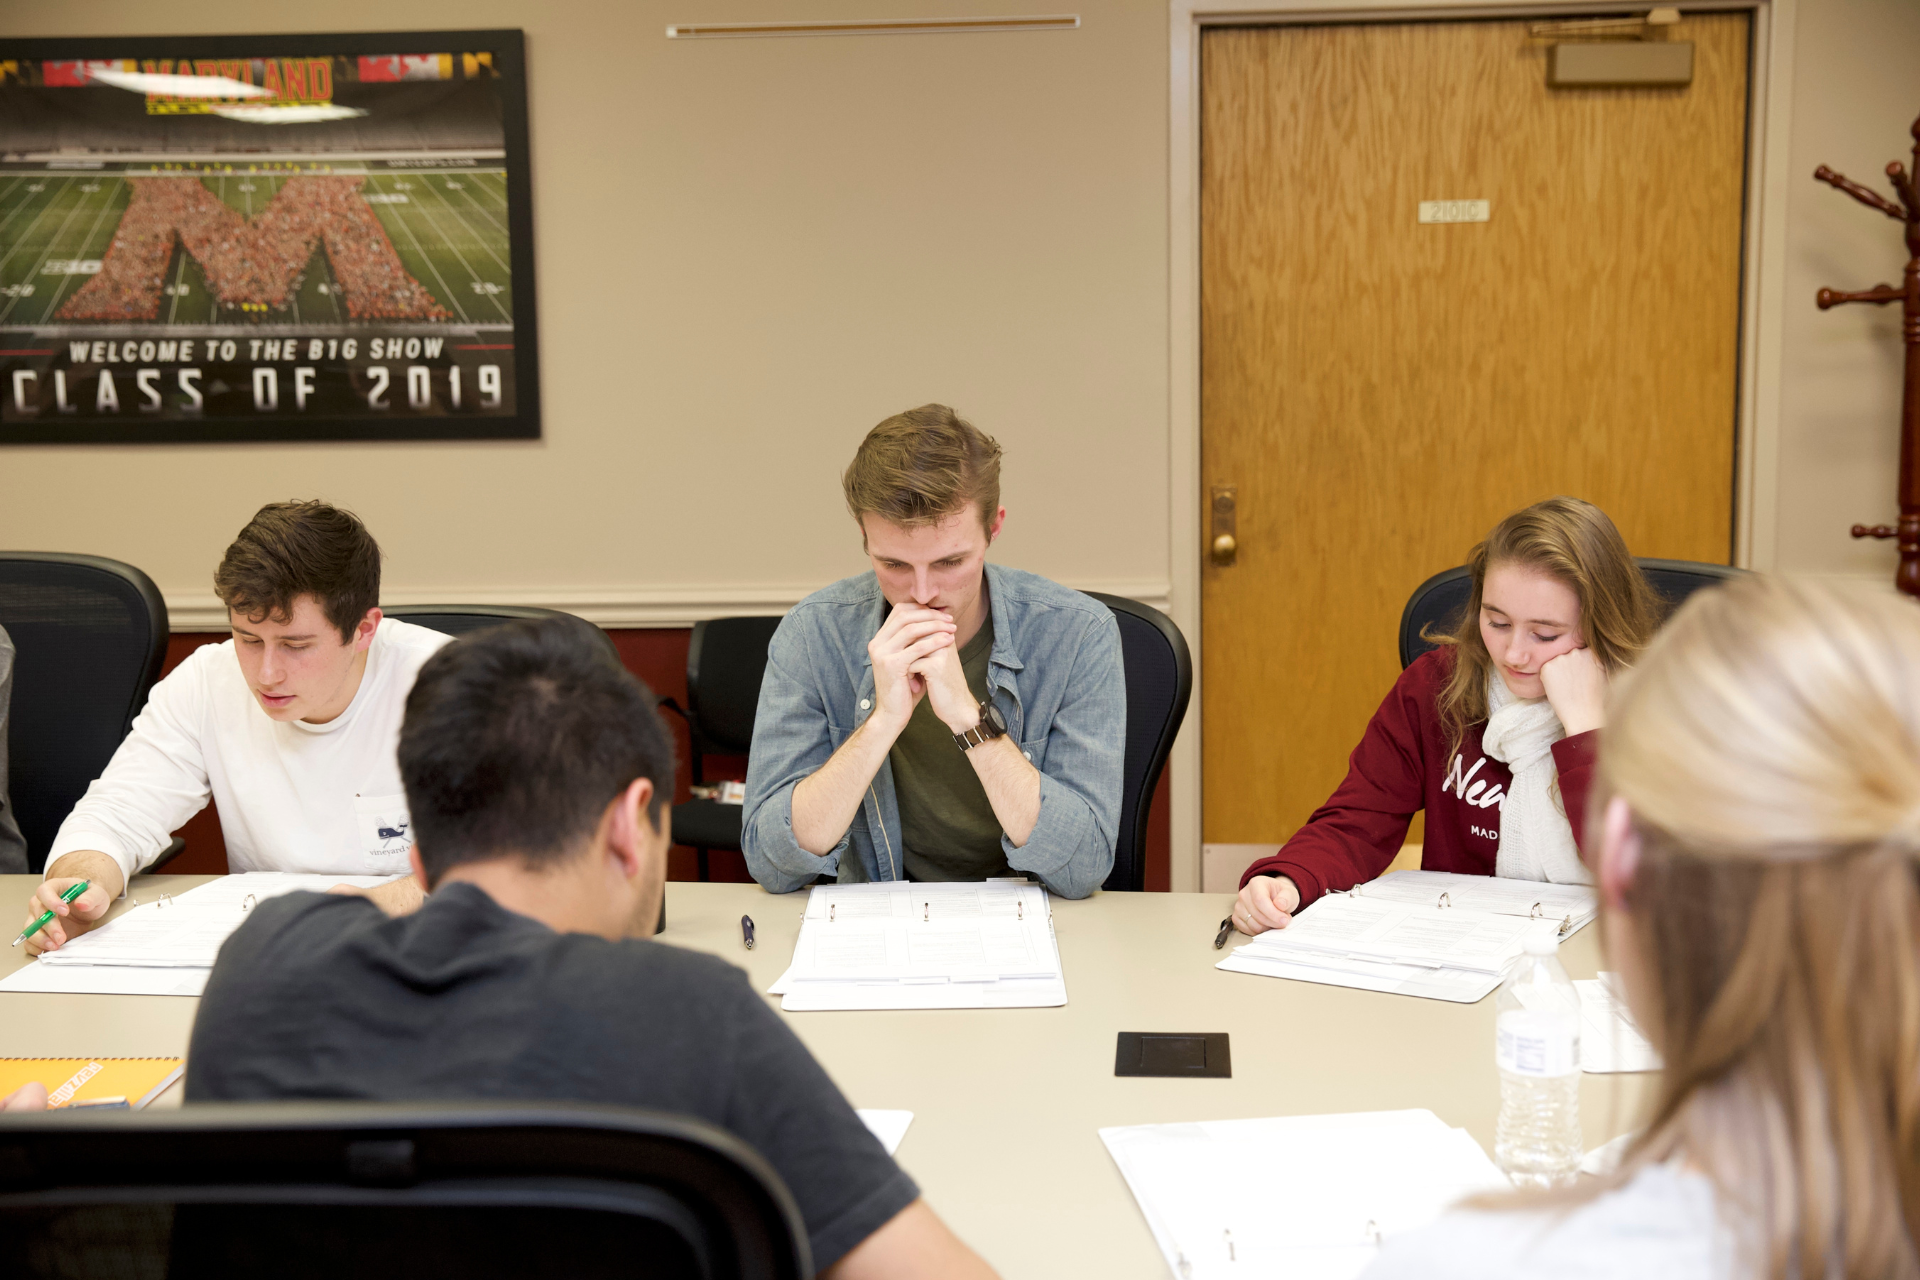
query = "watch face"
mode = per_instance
[{"x": 991, "y": 717}]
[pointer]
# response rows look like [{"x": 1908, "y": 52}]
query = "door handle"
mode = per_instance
[{"x": 1225, "y": 544}]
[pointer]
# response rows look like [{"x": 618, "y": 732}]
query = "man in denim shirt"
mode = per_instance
[{"x": 938, "y": 718}]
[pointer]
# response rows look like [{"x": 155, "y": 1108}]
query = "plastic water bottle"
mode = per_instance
[{"x": 1537, "y": 1048}]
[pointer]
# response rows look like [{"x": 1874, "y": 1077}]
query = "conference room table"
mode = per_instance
[{"x": 1007, "y": 1103}]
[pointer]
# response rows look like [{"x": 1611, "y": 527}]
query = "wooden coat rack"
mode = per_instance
[{"x": 1907, "y": 576}]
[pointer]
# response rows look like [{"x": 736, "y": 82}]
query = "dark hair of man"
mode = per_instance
[
  {"x": 294, "y": 549},
  {"x": 517, "y": 738},
  {"x": 919, "y": 467}
]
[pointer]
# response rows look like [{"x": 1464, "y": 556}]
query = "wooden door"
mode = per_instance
[{"x": 1380, "y": 391}]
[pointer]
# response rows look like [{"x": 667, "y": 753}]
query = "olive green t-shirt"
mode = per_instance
[{"x": 946, "y": 821}]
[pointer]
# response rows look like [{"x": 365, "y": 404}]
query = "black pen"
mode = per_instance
[
  {"x": 746, "y": 931},
  {"x": 1220, "y": 939}
]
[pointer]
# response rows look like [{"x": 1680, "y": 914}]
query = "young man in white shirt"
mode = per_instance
[{"x": 289, "y": 727}]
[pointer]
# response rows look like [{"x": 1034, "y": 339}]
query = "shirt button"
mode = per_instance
[
  {"x": 865, "y": 703},
  {"x": 1027, "y": 754}
]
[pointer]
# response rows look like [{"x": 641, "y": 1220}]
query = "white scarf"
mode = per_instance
[{"x": 1536, "y": 842}]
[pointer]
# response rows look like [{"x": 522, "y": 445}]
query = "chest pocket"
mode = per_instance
[
  {"x": 384, "y": 829},
  {"x": 1035, "y": 750}
]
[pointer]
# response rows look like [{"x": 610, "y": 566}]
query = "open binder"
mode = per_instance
[
  {"x": 913, "y": 945},
  {"x": 1305, "y": 1197},
  {"x": 1435, "y": 934},
  {"x": 1569, "y": 906},
  {"x": 166, "y": 946}
]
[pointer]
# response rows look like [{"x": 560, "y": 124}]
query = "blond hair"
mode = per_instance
[
  {"x": 1768, "y": 748},
  {"x": 919, "y": 467},
  {"x": 1575, "y": 544}
]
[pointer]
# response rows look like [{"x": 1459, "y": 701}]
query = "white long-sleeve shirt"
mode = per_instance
[
  {"x": 1667, "y": 1223},
  {"x": 292, "y": 796}
]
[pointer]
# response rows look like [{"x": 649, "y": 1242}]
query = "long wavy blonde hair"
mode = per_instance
[
  {"x": 1574, "y": 543},
  {"x": 1768, "y": 748}
]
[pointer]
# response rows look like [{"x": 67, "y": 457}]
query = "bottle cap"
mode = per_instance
[{"x": 1541, "y": 942}]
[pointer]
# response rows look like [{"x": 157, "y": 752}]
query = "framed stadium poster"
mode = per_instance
[{"x": 314, "y": 237}]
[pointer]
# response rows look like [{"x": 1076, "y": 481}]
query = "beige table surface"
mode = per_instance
[{"x": 1007, "y": 1103}]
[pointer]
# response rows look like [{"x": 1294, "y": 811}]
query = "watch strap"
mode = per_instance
[{"x": 982, "y": 732}]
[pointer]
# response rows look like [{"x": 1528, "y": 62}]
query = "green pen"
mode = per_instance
[{"x": 75, "y": 891}]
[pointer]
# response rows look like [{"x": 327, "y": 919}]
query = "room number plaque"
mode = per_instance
[{"x": 1456, "y": 210}]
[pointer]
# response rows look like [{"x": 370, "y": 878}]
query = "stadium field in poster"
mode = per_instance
[{"x": 265, "y": 238}]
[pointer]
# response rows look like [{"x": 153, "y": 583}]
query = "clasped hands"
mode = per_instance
[{"x": 915, "y": 656}]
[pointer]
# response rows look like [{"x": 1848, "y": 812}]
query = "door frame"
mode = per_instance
[{"x": 1762, "y": 287}]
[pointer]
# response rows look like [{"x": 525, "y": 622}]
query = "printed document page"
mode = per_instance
[
  {"x": 1572, "y": 904},
  {"x": 1399, "y": 933},
  {"x": 900, "y": 945},
  {"x": 1461, "y": 986},
  {"x": 187, "y": 930},
  {"x": 106, "y": 980},
  {"x": 1296, "y": 1196}
]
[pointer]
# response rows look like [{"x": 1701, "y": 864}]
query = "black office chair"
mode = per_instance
[
  {"x": 725, "y": 661},
  {"x": 1159, "y": 682},
  {"x": 459, "y": 619},
  {"x": 89, "y": 636},
  {"x": 1439, "y": 601},
  {"x": 324, "y": 1190}
]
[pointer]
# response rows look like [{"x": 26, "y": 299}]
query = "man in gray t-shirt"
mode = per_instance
[
  {"x": 536, "y": 775},
  {"x": 13, "y": 846}
]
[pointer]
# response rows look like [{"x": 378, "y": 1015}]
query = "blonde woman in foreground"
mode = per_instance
[{"x": 1757, "y": 814}]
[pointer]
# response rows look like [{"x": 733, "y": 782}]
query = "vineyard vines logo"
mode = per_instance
[{"x": 1472, "y": 794}]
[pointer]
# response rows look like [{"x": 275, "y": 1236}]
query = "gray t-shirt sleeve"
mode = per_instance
[{"x": 783, "y": 1104}]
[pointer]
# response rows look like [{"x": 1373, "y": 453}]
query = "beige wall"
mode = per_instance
[
  {"x": 1855, "y": 93},
  {"x": 750, "y": 250},
  {"x": 747, "y": 252}
]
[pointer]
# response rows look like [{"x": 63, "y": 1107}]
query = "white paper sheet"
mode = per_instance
[
  {"x": 1390, "y": 935},
  {"x": 1461, "y": 986},
  {"x": 899, "y": 945},
  {"x": 1610, "y": 1041},
  {"x": 1294, "y": 1196},
  {"x": 822, "y": 997},
  {"x": 187, "y": 930},
  {"x": 888, "y": 1126},
  {"x": 1400, "y": 933},
  {"x": 105, "y": 980}
]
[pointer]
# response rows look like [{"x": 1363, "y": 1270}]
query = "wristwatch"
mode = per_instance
[{"x": 992, "y": 725}]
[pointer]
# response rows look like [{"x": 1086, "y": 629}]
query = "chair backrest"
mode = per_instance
[
  {"x": 459, "y": 619},
  {"x": 1159, "y": 683},
  {"x": 89, "y": 637},
  {"x": 336, "y": 1189},
  {"x": 1439, "y": 600},
  {"x": 725, "y": 661}
]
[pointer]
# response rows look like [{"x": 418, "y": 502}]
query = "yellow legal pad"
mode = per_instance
[{"x": 71, "y": 1080}]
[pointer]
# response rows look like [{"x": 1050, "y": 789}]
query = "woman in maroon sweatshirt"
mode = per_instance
[{"x": 1493, "y": 733}]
